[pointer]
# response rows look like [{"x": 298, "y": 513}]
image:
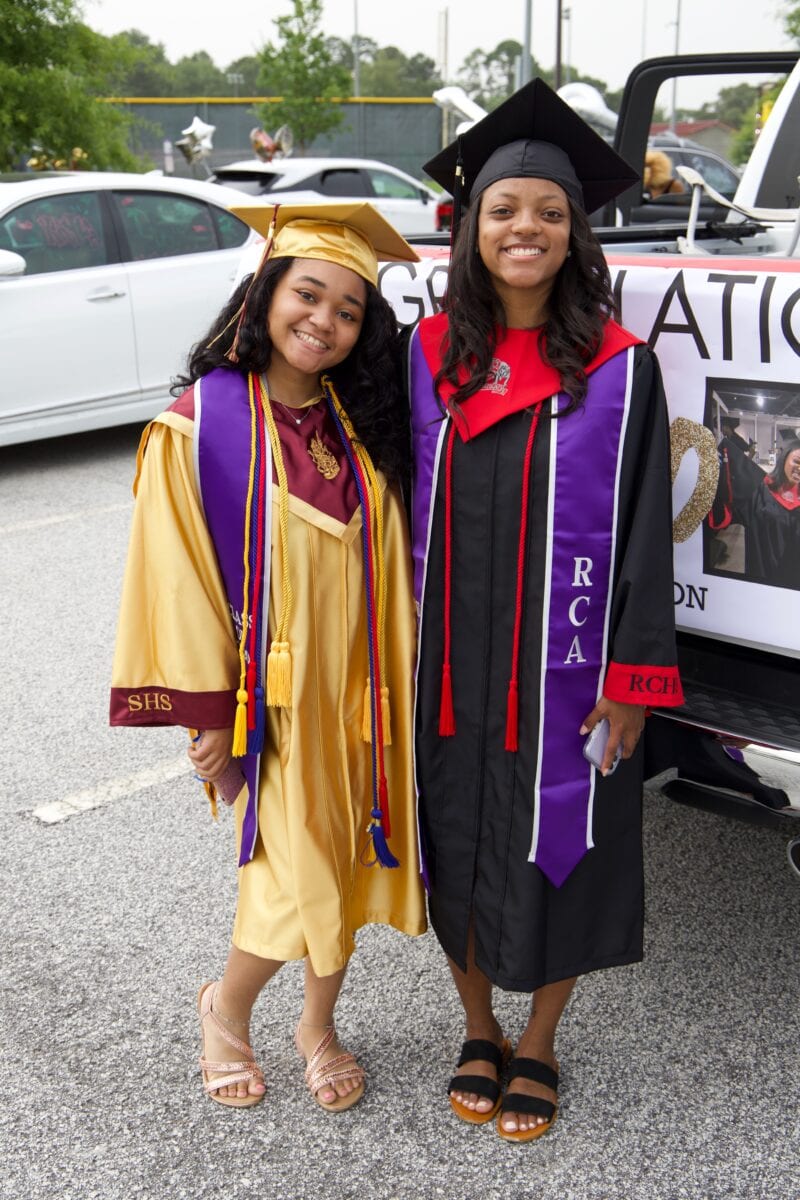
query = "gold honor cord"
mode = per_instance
[
  {"x": 279, "y": 659},
  {"x": 374, "y": 489},
  {"x": 240, "y": 723}
]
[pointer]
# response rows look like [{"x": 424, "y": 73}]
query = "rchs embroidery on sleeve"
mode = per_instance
[{"x": 653, "y": 685}]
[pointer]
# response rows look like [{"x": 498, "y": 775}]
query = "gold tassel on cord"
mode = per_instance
[
  {"x": 211, "y": 792},
  {"x": 240, "y": 725},
  {"x": 232, "y": 352},
  {"x": 279, "y": 675},
  {"x": 279, "y": 659},
  {"x": 375, "y": 509},
  {"x": 386, "y": 716},
  {"x": 208, "y": 786},
  {"x": 366, "y": 719}
]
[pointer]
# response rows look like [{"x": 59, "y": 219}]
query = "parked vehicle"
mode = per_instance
[
  {"x": 444, "y": 213},
  {"x": 407, "y": 203},
  {"x": 122, "y": 274},
  {"x": 716, "y": 170}
]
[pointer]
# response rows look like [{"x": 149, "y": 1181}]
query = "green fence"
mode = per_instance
[{"x": 403, "y": 132}]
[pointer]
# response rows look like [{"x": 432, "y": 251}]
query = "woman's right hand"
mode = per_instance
[{"x": 211, "y": 753}]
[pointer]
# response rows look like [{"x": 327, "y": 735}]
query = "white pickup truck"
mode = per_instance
[{"x": 718, "y": 297}]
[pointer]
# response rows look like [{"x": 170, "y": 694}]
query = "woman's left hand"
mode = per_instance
[{"x": 625, "y": 721}]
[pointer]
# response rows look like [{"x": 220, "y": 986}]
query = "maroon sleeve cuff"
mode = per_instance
[
  {"x": 657, "y": 687},
  {"x": 164, "y": 706}
]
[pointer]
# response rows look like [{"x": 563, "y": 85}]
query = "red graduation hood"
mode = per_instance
[{"x": 519, "y": 377}]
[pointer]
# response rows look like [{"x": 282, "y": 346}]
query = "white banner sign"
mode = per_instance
[{"x": 727, "y": 336}]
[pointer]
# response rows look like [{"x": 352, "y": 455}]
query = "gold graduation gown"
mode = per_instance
[{"x": 306, "y": 890}]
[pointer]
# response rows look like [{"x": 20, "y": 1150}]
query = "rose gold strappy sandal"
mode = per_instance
[
  {"x": 343, "y": 1066},
  {"x": 232, "y": 1072}
]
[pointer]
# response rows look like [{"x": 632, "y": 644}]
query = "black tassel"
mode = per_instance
[{"x": 458, "y": 189}]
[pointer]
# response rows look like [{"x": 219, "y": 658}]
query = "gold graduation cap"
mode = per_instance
[
  {"x": 533, "y": 134},
  {"x": 354, "y": 234}
]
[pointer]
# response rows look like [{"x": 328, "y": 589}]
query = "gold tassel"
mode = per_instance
[
  {"x": 279, "y": 659},
  {"x": 366, "y": 719},
  {"x": 240, "y": 725},
  {"x": 211, "y": 792},
  {"x": 386, "y": 717},
  {"x": 279, "y": 675}
]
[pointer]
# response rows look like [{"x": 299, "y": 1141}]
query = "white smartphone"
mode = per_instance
[{"x": 594, "y": 747}]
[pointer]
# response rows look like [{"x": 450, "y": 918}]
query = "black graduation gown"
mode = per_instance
[
  {"x": 772, "y": 540},
  {"x": 476, "y": 799}
]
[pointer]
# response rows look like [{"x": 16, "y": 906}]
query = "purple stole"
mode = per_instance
[
  {"x": 581, "y": 543},
  {"x": 222, "y": 467}
]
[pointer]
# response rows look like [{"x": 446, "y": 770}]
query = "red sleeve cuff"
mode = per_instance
[
  {"x": 165, "y": 706},
  {"x": 656, "y": 687}
]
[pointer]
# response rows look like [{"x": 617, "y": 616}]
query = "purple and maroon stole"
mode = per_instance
[
  {"x": 581, "y": 542},
  {"x": 222, "y": 452}
]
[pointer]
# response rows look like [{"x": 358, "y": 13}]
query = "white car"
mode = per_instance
[
  {"x": 106, "y": 282},
  {"x": 408, "y": 204}
]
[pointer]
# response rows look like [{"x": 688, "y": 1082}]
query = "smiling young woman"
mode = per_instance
[
  {"x": 315, "y": 320},
  {"x": 268, "y": 564},
  {"x": 542, "y": 538},
  {"x": 523, "y": 239}
]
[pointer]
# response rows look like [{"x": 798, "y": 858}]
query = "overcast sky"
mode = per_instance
[{"x": 605, "y": 38}]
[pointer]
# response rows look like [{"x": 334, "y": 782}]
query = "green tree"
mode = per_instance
[
  {"x": 732, "y": 106},
  {"x": 489, "y": 77},
  {"x": 763, "y": 97},
  {"x": 52, "y": 69},
  {"x": 301, "y": 70},
  {"x": 391, "y": 73},
  {"x": 247, "y": 69},
  {"x": 745, "y": 139},
  {"x": 341, "y": 51},
  {"x": 198, "y": 75},
  {"x": 144, "y": 68}
]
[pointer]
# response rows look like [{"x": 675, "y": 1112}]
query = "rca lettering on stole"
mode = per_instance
[{"x": 582, "y": 567}]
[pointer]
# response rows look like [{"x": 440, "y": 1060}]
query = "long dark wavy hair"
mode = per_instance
[
  {"x": 368, "y": 381},
  {"x": 580, "y": 303}
]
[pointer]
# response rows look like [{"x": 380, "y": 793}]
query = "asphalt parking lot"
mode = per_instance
[{"x": 679, "y": 1076}]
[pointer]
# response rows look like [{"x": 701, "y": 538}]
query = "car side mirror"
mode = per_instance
[
  {"x": 424, "y": 197},
  {"x": 11, "y": 264}
]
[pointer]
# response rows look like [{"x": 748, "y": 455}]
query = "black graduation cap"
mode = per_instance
[{"x": 533, "y": 134}]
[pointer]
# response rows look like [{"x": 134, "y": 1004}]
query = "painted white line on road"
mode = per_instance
[
  {"x": 60, "y": 518},
  {"x": 113, "y": 789}
]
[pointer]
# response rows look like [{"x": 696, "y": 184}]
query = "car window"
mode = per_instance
[
  {"x": 722, "y": 178},
  {"x": 56, "y": 233},
  {"x": 392, "y": 186},
  {"x": 231, "y": 231},
  {"x": 341, "y": 182},
  {"x": 160, "y": 225},
  {"x": 252, "y": 187},
  {"x": 253, "y": 182}
]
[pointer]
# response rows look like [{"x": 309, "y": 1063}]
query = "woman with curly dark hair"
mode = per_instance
[
  {"x": 368, "y": 376},
  {"x": 267, "y": 607},
  {"x": 542, "y": 543}
]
